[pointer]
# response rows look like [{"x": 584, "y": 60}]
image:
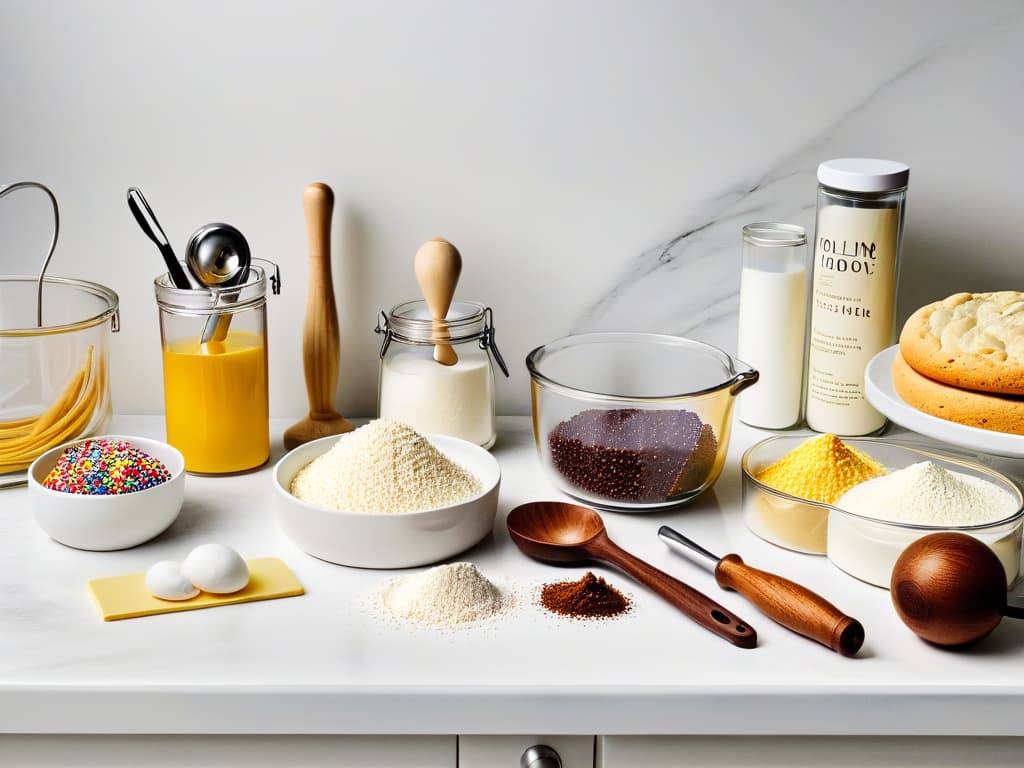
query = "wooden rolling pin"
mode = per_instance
[{"x": 320, "y": 345}]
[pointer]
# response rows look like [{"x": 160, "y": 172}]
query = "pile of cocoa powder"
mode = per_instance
[{"x": 591, "y": 597}]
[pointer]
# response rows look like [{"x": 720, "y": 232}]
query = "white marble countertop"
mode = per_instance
[{"x": 323, "y": 664}]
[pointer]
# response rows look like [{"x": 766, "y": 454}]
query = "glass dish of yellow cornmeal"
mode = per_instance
[{"x": 789, "y": 481}]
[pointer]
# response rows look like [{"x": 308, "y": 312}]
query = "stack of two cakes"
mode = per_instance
[{"x": 962, "y": 359}]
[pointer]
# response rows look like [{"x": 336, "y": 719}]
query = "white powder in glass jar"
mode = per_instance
[
  {"x": 455, "y": 400},
  {"x": 923, "y": 494},
  {"x": 384, "y": 467}
]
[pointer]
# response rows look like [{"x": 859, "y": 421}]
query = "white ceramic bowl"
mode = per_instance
[
  {"x": 395, "y": 540},
  {"x": 117, "y": 521}
]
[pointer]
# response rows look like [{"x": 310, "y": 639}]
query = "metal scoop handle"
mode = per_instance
[
  {"x": 785, "y": 602},
  {"x": 140, "y": 210}
]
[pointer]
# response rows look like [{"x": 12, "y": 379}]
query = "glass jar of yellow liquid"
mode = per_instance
[{"x": 215, "y": 392}]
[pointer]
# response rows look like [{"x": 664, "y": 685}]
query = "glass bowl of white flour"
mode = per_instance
[{"x": 923, "y": 492}]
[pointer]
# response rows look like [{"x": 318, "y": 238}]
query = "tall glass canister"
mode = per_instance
[
  {"x": 857, "y": 242},
  {"x": 215, "y": 392}
]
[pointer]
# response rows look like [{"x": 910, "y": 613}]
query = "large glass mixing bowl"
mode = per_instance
[
  {"x": 633, "y": 421},
  {"x": 54, "y": 376}
]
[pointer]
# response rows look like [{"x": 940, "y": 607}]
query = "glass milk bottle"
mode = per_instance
[
  {"x": 431, "y": 397},
  {"x": 772, "y": 319},
  {"x": 857, "y": 240}
]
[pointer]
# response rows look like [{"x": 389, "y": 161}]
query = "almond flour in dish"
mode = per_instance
[
  {"x": 384, "y": 467},
  {"x": 867, "y": 543},
  {"x": 928, "y": 494}
]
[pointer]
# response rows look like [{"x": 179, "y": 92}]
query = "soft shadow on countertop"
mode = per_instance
[
  {"x": 196, "y": 517},
  {"x": 1007, "y": 639}
]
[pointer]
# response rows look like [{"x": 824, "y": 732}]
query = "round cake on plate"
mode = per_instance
[{"x": 962, "y": 359}]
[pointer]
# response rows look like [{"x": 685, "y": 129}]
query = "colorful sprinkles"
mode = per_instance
[{"x": 105, "y": 467}]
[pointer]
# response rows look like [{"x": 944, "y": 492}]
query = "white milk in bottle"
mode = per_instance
[{"x": 772, "y": 318}]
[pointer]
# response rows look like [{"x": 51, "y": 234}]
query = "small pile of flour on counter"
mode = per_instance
[
  {"x": 384, "y": 467},
  {"x": 444, "y": 597},
  {"x": 928, "y": 494}
]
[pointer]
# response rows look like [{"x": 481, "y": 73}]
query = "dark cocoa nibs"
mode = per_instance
[
  {"x": 591, "y": 597},
  {"x": 634, "y": 455}
]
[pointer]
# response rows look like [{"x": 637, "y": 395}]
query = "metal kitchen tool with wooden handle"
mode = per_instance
[
  {"x": 786, "y": 602},
  {"x": 320, "y": 343},
  {"x": 557, "y": 532},
  {"x": 438, "y": 265}
]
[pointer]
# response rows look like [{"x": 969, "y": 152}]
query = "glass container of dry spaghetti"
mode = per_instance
[{"x": 54, "y": 371}]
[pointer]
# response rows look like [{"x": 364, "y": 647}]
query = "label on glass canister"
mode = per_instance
[{"x": 852, "y": 296}]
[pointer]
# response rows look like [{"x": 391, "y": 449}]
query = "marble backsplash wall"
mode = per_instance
[
  {"x": 941, "y": 113},
  {"x": 594, "y": 161}
]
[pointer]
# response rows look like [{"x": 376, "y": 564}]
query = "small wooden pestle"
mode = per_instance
[
  {"x": 320, "y": 330},
  {"x": 438, "y": 266}
]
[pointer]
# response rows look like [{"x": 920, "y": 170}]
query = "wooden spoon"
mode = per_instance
[
  {"x": 320, "y": 330},
  {"x": 557, "y": 532},
  {"x": 438, "y": 266},
  {"x": 950, "y": 589}
]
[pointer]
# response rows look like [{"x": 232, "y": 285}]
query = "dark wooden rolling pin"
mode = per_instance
[{"x": 785, "y": 602}]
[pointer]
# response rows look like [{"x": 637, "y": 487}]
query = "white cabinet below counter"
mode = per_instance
[
  {"x": 158, "y": 751},
  {"x": 153, "y": 751},
  {"x": 835, "y": 752}
]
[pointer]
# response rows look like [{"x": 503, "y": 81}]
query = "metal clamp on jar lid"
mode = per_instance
[{"x": 412, "y": 323}]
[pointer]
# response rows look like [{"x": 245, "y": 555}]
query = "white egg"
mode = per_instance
[
  {"x": 216, "y": 568},
  {"x": 166, "y": 581}
]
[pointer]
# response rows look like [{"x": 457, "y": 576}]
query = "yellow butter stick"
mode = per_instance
[{"x": 126, "y": 597}]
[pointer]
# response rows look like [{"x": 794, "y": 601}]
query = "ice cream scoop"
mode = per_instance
[{"x": 218, "y": 256}]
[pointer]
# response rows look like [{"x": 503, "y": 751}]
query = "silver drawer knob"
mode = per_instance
[{"x": 540, "y": 756}]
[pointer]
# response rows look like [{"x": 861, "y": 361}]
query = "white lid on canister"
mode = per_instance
[{"x": 864, "y": 174}]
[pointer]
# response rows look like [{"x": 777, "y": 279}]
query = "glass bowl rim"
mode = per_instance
[
  {"x": 576, "y": 340},
  {"x": 96, "y": 290}
]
